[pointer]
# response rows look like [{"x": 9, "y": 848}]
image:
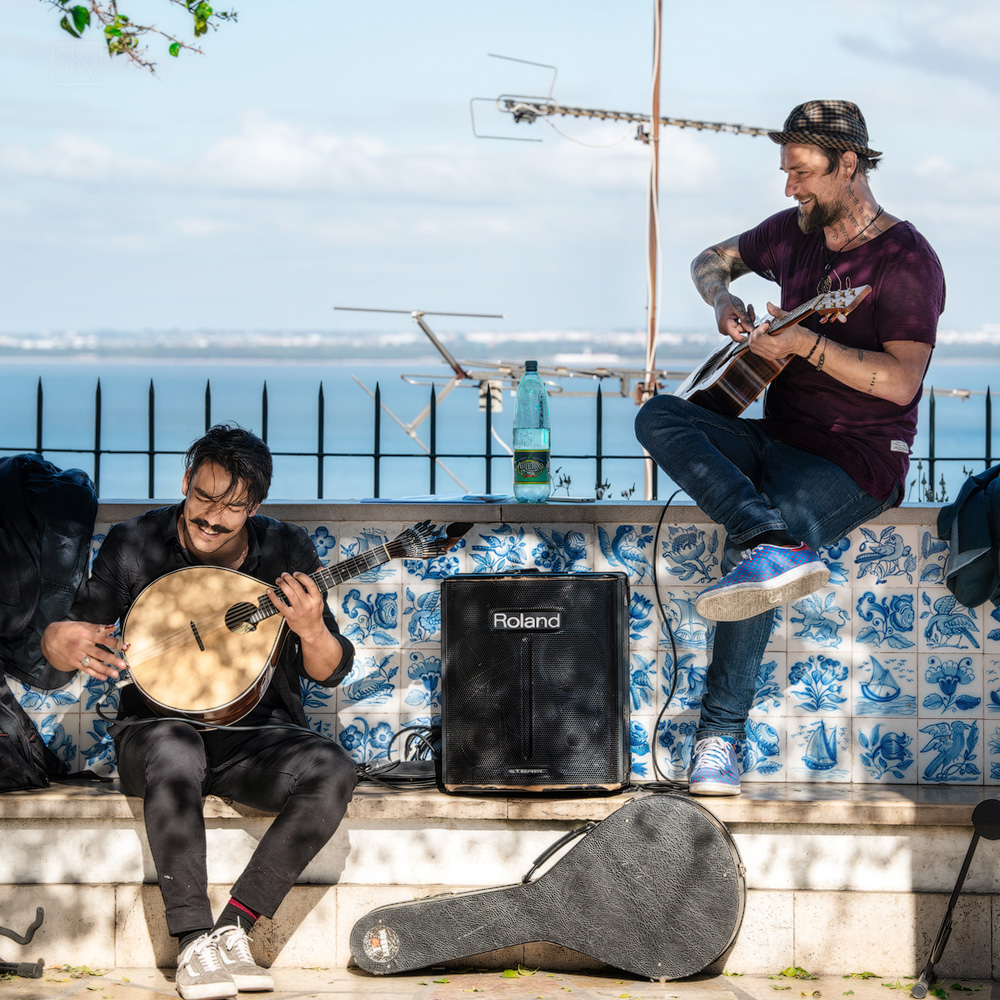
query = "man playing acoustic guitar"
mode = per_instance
[
  {"x": 832, "y": 449},
  {"x": 270, "y": 760}
]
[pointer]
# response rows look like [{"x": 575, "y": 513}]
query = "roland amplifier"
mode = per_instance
[{"x": 535, "y": 682}]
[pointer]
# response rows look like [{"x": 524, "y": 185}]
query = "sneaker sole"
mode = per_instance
[
  {"x": 253, "y": 984},
  {"x": 742, "y": 601},
  {"x": 713, "y": 788},
  {"x": 208, "y": 991}
]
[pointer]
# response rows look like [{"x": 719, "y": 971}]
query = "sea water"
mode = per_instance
[{"x": 187, "y": 395}]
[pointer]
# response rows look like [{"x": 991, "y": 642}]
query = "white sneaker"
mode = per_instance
[
  {"x": 200, "y": 975},
  {"x": 237, "y": 960}
]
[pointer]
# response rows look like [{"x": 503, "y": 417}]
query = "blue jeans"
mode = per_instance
[{"x": 748, "y": 482}]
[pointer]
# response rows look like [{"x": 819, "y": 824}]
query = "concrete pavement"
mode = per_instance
[{"x": 62, "y": 983}]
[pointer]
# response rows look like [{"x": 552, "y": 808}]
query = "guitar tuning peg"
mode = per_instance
[{"x": 841, "y": 317}]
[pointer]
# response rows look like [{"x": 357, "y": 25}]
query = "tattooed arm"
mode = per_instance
[
  {"x": 894, "y": 373},
  {"x": 712, "y": 271}
]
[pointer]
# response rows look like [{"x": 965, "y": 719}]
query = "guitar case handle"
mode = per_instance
[{"x": 552, "y": 848}]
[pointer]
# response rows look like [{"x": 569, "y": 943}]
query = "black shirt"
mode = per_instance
[{"x": 141, "y": 550}]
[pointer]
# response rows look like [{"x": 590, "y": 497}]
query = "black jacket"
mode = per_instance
[{"x": 46, "y": 524}]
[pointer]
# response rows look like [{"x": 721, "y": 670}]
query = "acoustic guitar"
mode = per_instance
[
  {"x": 204, "y": 641},
  {"x": 732, "y": 377}
]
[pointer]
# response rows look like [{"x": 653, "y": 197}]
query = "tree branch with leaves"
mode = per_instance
[{"x": 125, "y": 37}]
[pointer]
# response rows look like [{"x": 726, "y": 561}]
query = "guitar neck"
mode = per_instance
[
  {"x": 799, "y": 312},
  {"x": 326, "y": 578}
]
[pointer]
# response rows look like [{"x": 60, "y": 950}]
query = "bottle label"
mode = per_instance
[{"x": 531, "y": 466}]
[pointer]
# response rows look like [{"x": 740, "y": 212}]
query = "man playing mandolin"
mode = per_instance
[
  {"x": 832, "y": 449},
  {"x": 270, "y": 760}
]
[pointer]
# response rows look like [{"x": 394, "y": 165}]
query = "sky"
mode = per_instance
[{"x": 325, "y": 154}]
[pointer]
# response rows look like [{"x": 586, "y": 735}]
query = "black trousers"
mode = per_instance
[{"x": 307, "y": 779}]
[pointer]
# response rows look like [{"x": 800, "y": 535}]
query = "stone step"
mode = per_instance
[{"x": 839, "y": 877}]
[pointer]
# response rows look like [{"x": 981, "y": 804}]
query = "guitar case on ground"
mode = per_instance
[{"x": 657, "y": 889}]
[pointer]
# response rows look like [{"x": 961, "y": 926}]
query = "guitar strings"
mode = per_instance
[{"x": 217, "y": 622}]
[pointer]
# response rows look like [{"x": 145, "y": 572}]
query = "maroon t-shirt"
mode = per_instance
[{"x": 868, "y": 437}]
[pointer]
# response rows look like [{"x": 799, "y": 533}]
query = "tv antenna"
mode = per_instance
[{"x": 528, "y": 110}]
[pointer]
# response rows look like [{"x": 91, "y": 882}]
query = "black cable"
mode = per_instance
[
  {"x": 379, "y": 772},
  {"x": 663, "y": 784}
]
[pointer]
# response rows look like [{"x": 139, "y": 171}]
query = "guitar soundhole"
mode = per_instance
[{"x": 238, "y": 618}]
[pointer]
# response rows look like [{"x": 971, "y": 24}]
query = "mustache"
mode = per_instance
[{"x": 202, "y": 523}]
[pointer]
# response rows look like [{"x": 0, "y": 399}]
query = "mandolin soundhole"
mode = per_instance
[{"x": 238, "y": 618}]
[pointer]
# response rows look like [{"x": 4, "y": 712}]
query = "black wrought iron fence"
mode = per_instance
[{"x": 929, "y": 481}]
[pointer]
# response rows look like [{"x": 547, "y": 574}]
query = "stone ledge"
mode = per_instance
[
  {"x": 599, "y": 511},
  {"x": 760, "y": 804}
]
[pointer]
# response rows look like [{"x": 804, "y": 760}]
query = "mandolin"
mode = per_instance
[
  {"x": 732, "y": 377},
  {"x": 203, "y": 641}
]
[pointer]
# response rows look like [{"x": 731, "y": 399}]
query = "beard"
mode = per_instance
[{"x": 823, "y": 214}]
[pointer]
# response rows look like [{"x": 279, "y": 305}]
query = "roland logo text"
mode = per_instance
[{"x": 526, "y": 620}]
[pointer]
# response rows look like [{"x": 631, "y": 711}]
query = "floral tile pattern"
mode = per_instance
[
  {"x": 368, "y": 614},
  {"x": 885, "y": 750},
  {"x": 881, "y": 677},
  {"x": 689, "y": 555},
  {"x": 674, "y": 745},
  {"x": 763, "y": 754},
  {"x": 818, "y": 683}
]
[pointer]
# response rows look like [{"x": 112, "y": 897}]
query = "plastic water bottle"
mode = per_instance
[{"x": 532, "y": 482}]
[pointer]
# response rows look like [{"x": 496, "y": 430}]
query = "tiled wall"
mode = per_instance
[{"x": 879, "y": 678}]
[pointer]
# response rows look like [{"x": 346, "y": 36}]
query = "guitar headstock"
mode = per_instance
[
  {"x": 837, "y": 304},
  {"x": 427, "y": 541}
]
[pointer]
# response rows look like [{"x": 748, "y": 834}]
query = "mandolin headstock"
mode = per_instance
[{"x": 426, "y": 540}]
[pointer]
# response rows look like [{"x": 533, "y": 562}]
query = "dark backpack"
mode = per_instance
[
  {"x": 971, "y": 526},
  {"x": 25, "y": 760}
]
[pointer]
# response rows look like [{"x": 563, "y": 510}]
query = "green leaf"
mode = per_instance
[
  {"x": 112, "y": 32},
  {"x": 81, "y": 18},
  {"x": 509, "y": 974},
  {"x": 847, "y": 993},
  {"x": 773, "y": 987},
  {"x": 175, "y": 49},
  {"x": 66, "y": 26},
  {"x": 862, "y": 975},
  {"x": 795, "y": 972}
]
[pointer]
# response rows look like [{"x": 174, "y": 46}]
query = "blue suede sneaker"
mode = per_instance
[
  {"x": 767, "y": 576},
  {"x": 714, "y": 770}
]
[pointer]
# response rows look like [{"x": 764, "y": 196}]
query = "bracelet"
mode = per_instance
[
  {"x": 822, "y": 358},
  {"x": 819, "y": 337}
]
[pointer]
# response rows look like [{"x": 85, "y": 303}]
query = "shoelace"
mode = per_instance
[
  {"x": 713, "y": 752},
  {"x": 205, "y": 951},
  {"x": 237, "y": 941}
]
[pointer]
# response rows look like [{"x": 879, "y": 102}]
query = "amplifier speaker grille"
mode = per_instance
[{"x": 535, "y": 693}]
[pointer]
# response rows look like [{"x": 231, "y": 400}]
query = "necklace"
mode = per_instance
[{"x": 825, "y": 283}]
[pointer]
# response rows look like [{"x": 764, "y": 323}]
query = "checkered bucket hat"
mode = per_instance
[{"x": 830, "y": 124}]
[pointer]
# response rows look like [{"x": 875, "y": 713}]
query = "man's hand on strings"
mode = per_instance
[
  {"x": 83, "y": 646},
  {"x": 300, "y": 602},
  {"x": 774, "y": 347},
  {"x": 734, "y": 319}
]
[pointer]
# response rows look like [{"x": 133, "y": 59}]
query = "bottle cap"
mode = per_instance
[{"x": 531, "y": 366}]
